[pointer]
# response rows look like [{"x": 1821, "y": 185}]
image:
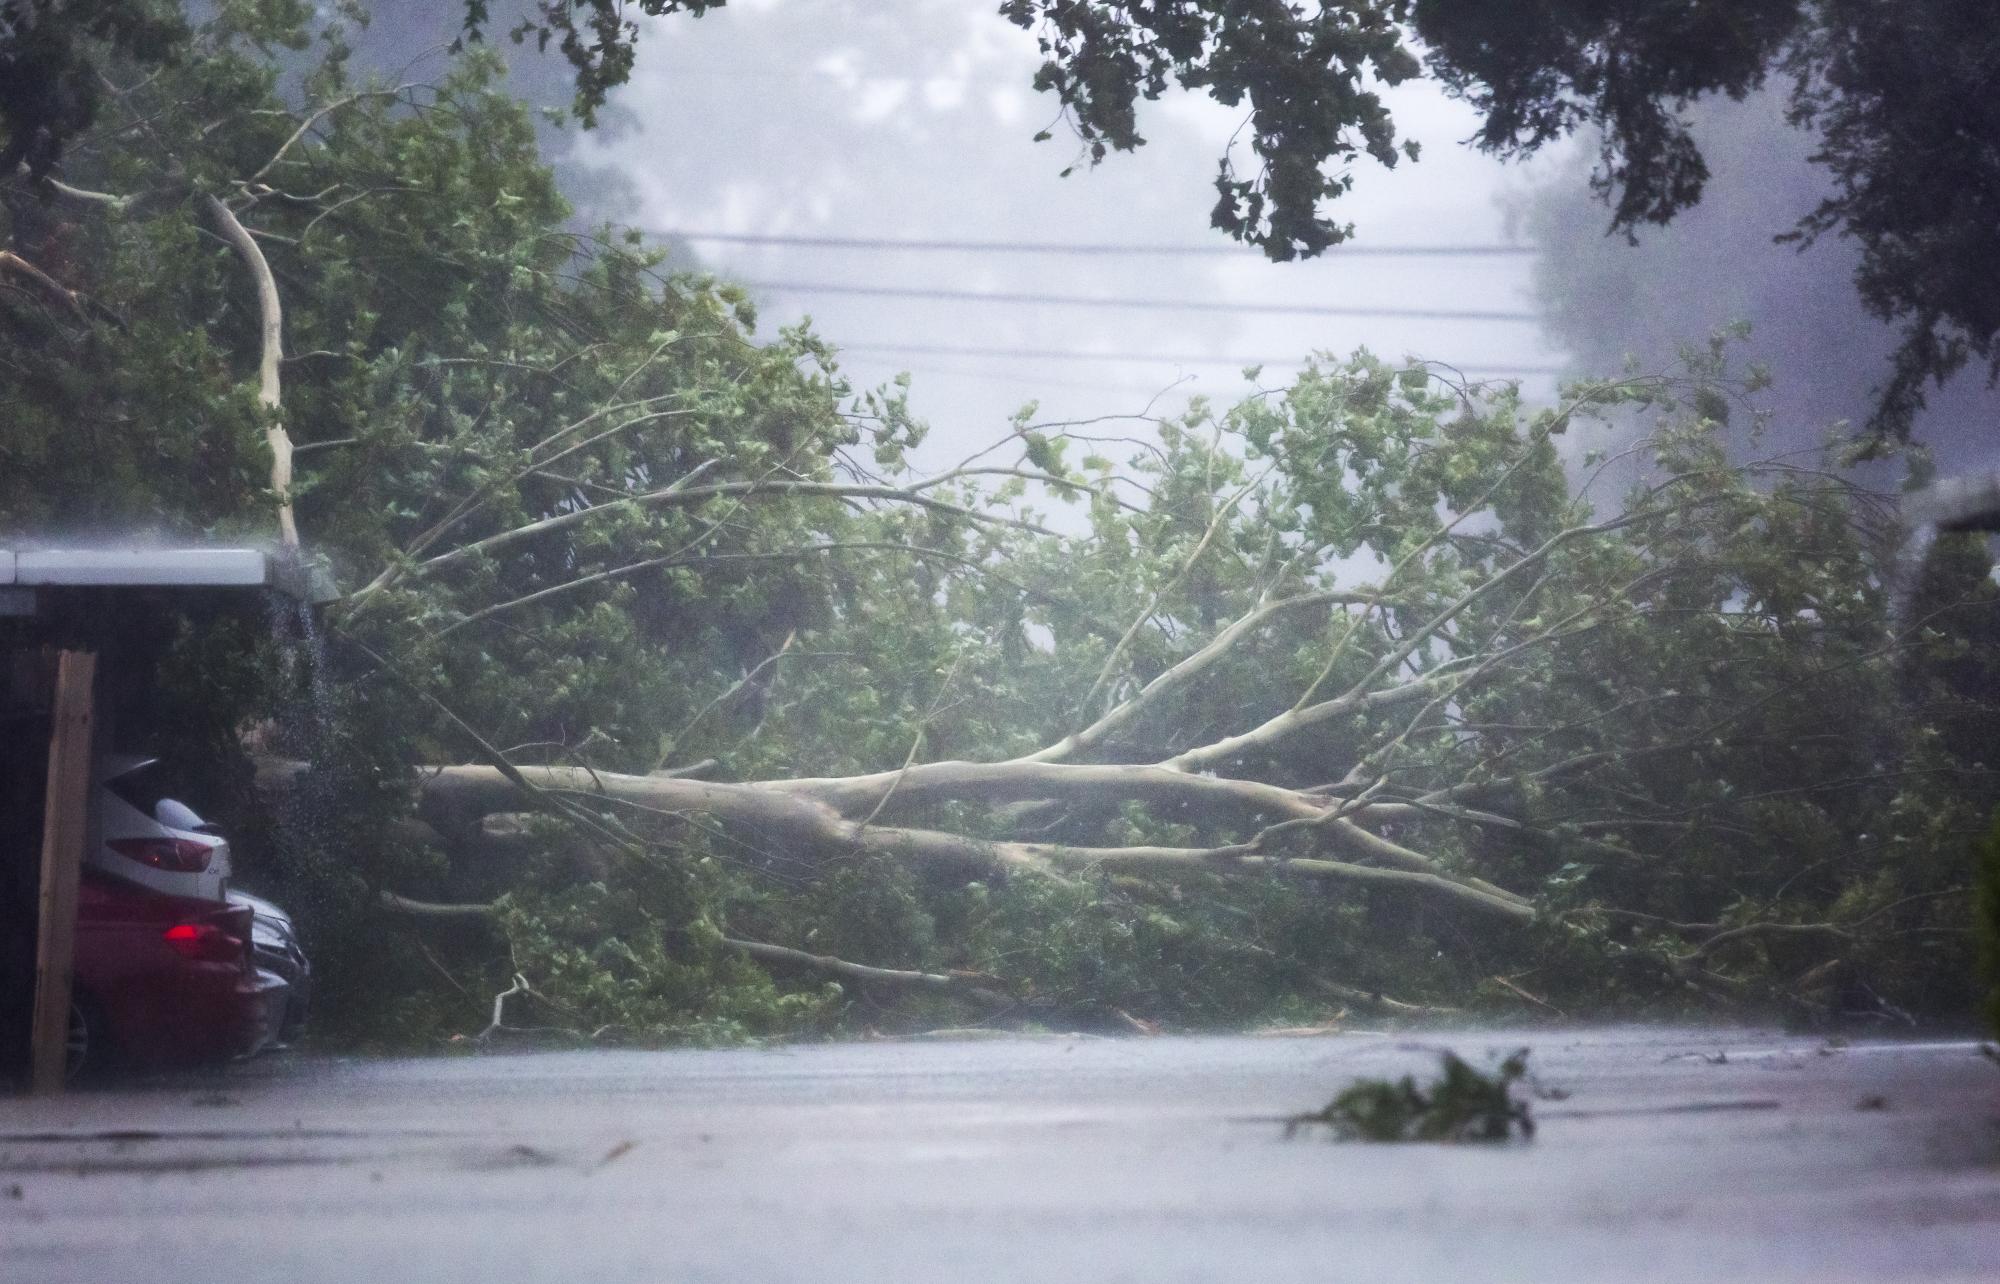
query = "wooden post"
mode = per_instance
[{"x": 65, "y": 827}]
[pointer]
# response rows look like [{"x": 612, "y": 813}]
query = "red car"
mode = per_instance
[{"x": 162, "y": 980}]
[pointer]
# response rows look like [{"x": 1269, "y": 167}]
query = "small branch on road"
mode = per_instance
[{"x": 520, "y": 986}]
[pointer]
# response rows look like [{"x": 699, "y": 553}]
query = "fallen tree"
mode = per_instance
[
  {"x": 1397, "y": 680},
  {"x": 1165, "y": 715}
]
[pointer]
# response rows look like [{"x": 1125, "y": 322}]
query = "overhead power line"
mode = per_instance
[
  {"x": 1037, "y": 382},
  {"x": 1172, "y": 358},
  {"x": 920, "y": 246},
  {"x": 1166, "y": 305}
]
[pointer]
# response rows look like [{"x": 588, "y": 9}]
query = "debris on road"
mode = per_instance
[{"x": 1463, "y": 1104}]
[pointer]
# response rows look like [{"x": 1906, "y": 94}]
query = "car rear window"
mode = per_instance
[{"x": 144, "y": 787}]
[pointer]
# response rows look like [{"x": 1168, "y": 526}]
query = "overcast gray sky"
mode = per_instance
[{"x": 913, "y": 119}]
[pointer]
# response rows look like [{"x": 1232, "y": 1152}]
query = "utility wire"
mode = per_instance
[
  {"x": 1164, "y": 358},
  {"x": 1174, "y": 305},
  {"x": 1034, "y": 381},
  {"x": 1083, "y": 248}
]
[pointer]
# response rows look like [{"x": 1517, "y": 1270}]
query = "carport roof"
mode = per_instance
[
  {"x": 136, "y": 567},
  {"x": 109, "y": 566}
]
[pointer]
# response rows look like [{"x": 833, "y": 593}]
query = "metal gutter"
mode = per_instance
[{"x": 152, "y": 567}]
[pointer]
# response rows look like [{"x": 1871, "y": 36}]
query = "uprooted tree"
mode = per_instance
[
  {"x": 669, "y": 695},
  {"x": 1357, "y": 645}
]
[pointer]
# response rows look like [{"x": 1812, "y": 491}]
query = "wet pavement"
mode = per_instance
[{"x": 1674, "y": 1155}]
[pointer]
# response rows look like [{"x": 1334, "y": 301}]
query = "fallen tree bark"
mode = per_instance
[
  {"x": 397, "y": 904},
  {"x": 789, "y": 813},
  {"x": 271, "y": 350}
]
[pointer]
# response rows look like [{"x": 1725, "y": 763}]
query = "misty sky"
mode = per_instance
[{"x": 913, "y": 119}]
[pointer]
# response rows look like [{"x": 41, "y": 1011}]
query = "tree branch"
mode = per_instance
[
  {"x": 964, "y": 983},
  {"x": 397, "y": 904},
  {"x": 53, "y": 289},
  {"x": 1187, "y": 565},
  {"x": 718, "y": 559},
  {"x": 314, "y": 119},
  {"x": 1185, "y": 672},
  {"x": 749, "y": 489},
  {"x": 793, "y": 815},
  {"x": 271, "y": 325}
]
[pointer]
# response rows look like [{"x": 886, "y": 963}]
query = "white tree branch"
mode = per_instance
[{"x": 270, "y": 315}]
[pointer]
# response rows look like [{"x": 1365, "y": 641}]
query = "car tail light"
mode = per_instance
[
  {"x": 175, "y": 855},
  {"x": 204, "y": 942}
]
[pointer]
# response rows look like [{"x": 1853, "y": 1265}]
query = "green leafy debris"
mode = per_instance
[{"x": 1462, "y": 1104}]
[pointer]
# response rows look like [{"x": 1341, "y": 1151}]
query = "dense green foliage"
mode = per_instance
[
  {"x": 51, "y": 54},
  {"x": 1356, "y": 687},
  {"x": 438, "y": 318}
]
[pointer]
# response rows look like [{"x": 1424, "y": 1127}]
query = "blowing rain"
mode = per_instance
[{"x": 1058, "y": 640}]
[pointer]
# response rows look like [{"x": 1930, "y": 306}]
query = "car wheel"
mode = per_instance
[{"x": 88, "y": 1049}]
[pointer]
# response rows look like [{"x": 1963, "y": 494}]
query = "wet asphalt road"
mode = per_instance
[{"x": 1675, "y": 1155}]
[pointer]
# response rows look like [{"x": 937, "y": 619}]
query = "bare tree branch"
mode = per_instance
[
  {"x": 790, "y": 815},
  {"x": 961, "y": 982},
  {"x": 47, "y": 285},
  {"x": 1183, "y": 673},
  {"x": 315, "y": 118},
  {"x": 271, "y": 326}
]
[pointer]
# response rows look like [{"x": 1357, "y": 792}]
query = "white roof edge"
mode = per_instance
[{"x": 137, "y": 567}]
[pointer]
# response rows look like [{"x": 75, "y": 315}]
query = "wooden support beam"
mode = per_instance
[{"x": 65, "y": 829}]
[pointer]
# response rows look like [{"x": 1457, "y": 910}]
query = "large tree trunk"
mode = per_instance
[
  {"x": 271, "y": 351},
  {"x": 814, "y": 816}
]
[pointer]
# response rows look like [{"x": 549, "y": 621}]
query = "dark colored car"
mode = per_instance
[
  {"x": 275, "y": 949},
  {"x": 163, "y": 980}
]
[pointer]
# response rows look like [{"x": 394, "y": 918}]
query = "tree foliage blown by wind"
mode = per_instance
[
  {"x": 663, "y": 682},
  {"x": 1897, "y": 96}
]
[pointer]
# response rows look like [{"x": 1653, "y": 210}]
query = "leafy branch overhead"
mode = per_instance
[
  {"x": 1304, "y": 79},
  {"x": 1897, "y": 95}
]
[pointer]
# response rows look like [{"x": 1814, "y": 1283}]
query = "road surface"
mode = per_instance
[{"x": 1672, "y": 1155}]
